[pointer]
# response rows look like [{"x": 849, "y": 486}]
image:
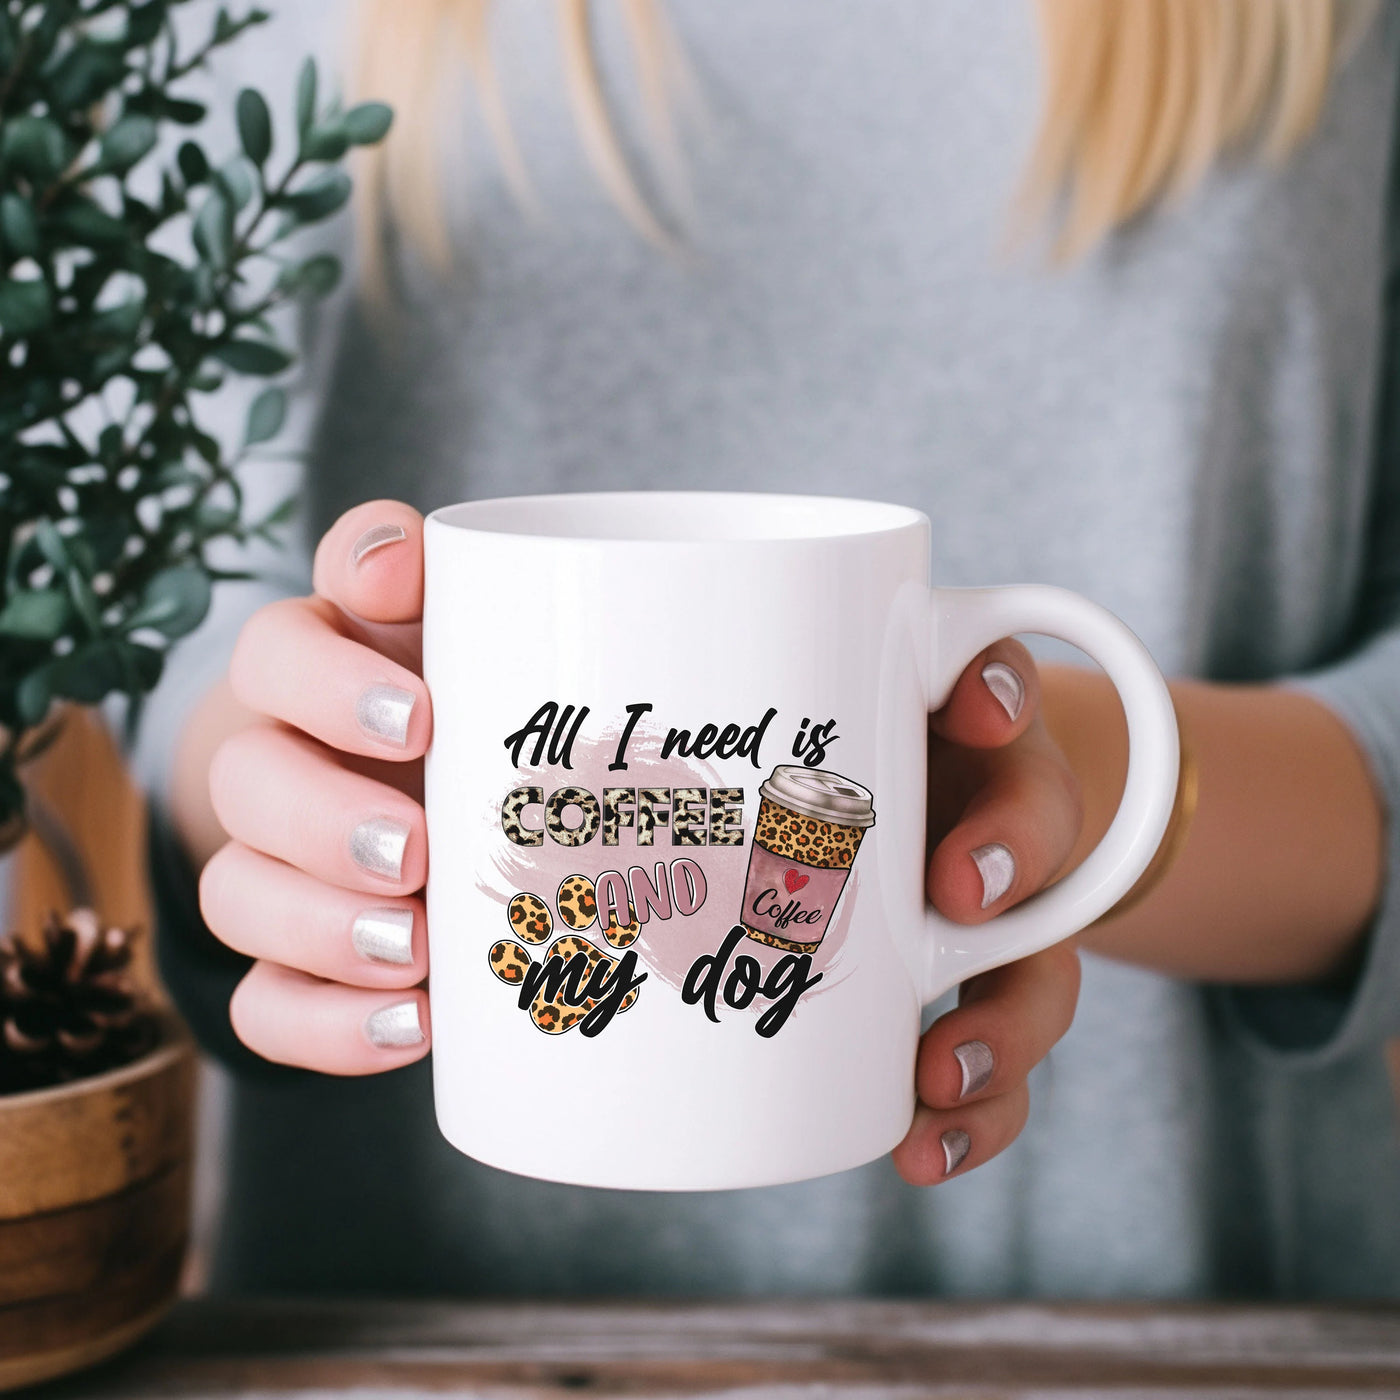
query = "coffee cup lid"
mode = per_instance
[{"x": 814, "y": 792}]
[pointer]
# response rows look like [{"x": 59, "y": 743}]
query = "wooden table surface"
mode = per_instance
[{"x": 209, "y": 1350}]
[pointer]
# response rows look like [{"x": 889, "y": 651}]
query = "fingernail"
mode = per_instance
[
  {"x": 975, "y": 1057},
  {"x": 394, "y": 1026},
  {"x": 378, "y": 846},
  {"x": 383, "y": 711},
  {"x": 376, "y": 537},
  {"x": 997, "y": 867},
  {"x": 1006, "y": 685},
  {"x": 386, "y": 935},
  {"x": 956, "y": 1145}
]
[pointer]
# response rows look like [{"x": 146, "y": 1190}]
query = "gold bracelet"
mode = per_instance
[{"x": 1173, "y": 840}]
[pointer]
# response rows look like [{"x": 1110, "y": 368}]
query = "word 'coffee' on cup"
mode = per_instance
[
  {"x": 809, "y": 828},
  {"x": 574, "y": 816}
]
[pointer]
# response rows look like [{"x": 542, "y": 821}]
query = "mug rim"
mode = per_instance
[{"x": 798, "y": 518}]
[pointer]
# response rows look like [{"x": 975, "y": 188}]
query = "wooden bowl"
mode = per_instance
[{"x": 94, "y": 1211}]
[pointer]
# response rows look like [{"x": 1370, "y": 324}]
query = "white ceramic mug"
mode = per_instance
[{"x": 676, "y": 810}]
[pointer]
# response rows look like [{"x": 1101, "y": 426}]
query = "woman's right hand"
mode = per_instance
[{"x": 321, "y": 881}]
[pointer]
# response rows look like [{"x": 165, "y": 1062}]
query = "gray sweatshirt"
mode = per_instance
[{"x": 1193, "y": 426}]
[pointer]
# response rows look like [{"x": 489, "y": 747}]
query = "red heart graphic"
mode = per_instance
[{"x": 794, "y": 881}]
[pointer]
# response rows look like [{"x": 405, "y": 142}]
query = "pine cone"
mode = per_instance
[{"x": 68, "y": 1009}]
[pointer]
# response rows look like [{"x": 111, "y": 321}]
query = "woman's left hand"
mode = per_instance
[{"x": 1005, "y": 813}]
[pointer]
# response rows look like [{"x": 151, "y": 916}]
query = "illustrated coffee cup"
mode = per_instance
[
  {"x": 676, "y": 914},
  {"x": 805, "y": 839}
]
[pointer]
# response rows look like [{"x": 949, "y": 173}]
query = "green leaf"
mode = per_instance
[
  {"x": 38, "y": 616},
  {"x": 109, "y": 362},
  {"x": 143, "y": 22},
  {"x": 185, "y": 112},
  {"x": 266, "y": 415},
  {"x": 319, "y": 197},
  {"x": 237, "y": 182},
  {"x": 84, "y": 600},
  {"x": 127, "y": 142},
  {"x": 25, "y": 307},
  {"x": 90, "y": 673},
  {"x": 254, "y": 126},
  {"x": 51, "y": 545},
  {"x": 193, "y": 163},
  {"x": 202, "y": 280},
  {"x": 317, "y": 276},
  {"x": 367, "y": 122},
  {"x": 306, "y": 97},
  {"x": 252, "y": 356},
  {"x": 207, "y": 446},
  {"x": 173, "y": 602},
  {"x": 18, "y": 225},
  {"x": 325, "y": 141},
  {"x": 110, "y": 443},
  {"x": 172, "y": 196},
  {"x": 216, "y": 517},
  {"x": 121, "y": 321},
  {"x": 88, "y": 225},
  {"x": 213, "y": 229},
  {"x": 85, "y": 72},
  {"x": 32, "y": 697},
  {"x": 35, "y": 145}
]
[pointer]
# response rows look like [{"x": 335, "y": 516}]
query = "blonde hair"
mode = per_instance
[{"x": 1141, "y": 98}]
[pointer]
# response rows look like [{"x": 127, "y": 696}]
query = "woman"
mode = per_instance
[{"x": 1179, "y": 412}]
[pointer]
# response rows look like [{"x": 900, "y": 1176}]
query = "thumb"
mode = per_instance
[{"x": 370, "y": 562}]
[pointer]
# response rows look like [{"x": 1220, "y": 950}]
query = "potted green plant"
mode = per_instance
[{"x": 137, "y": 275}]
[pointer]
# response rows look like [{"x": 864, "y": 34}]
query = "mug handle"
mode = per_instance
[{"x": 964, "y": 621}]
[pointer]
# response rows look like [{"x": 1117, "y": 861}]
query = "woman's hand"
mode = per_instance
[
  {"x": 321, "y": 880},
  {"x": 1005, "y": 812}
]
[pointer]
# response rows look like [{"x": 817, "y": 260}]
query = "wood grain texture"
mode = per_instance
[
  {"x": 94, "y": 1210},
  {"x": 133, "y": 1288},
  {"x": 834, "y": 1350},
  {"x": 93, "y": 1138},
  {"x": 73, "y": 1251}
]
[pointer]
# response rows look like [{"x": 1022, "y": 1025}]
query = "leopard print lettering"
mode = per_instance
[
  {"x": 508, "y": 961},
  {"x": 511, "y": 811},
  {"x": 828, "y": 845},
  {"x": 725, "y": 821},
  {"x": 653, "y": 806},
  {"x": 554, "y": 816},
  {"x": 688, "y": 823},
  {"x": 530, "y": 918},
  {"x": 577, "y": 901},
  {"x": 556, "y": 1017},
  {"x": 617, "y": 812}
]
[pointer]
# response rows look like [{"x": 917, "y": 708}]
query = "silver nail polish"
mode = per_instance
[
  {"x": 975, "y": 1057},
  {"x": 376, "y": 537},
  {"x": 384, "y": 935},
  {"x": 392, "y": 1027},
  {"x": 1006, "y": 685},
  {"x": 956, "y": 1145},
  {"x": 997, "y": 867},
  {"x": 377, "y": 845},
  {"x": 383, "y": 711}
]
